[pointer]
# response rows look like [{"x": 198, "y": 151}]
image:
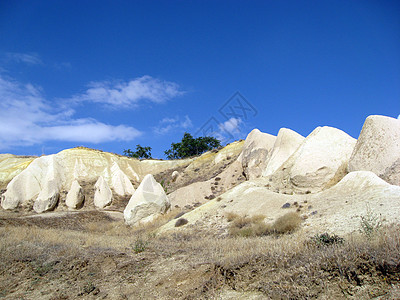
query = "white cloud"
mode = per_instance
[
  {"x": 32, "y": 59},
  {"x": 128, "y": 94},
  {"x": 398, "y": 117},
  {"x": 26, "y": 118},
  {"x": 232, "y": 126},
  {"x": 167, "y": 125}
]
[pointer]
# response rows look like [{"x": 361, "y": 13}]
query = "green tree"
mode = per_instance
[
  {"x": 141, "y": 152},
  {"x": 190, "y": 146}
]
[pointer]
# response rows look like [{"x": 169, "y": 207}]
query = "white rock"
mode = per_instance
[
  {"x": 174, "y": 176},
  {"x": 44, "y": 173},
  {"x": 103, "y": 194},
  {"x": 120, "y": 182},
  {"x": 148, "y": 200},
  {"x": 50, "y": 187},
  {"x": 287, "y": 142},
  {"x": 75, "y": 196},
  {"x": 255, "y": 152},
  {"x": 378, "y": 149},
  {"x": 319, "y": 163}
]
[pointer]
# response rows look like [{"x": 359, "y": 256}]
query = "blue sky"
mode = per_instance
[{"x": 113, "y": 74}]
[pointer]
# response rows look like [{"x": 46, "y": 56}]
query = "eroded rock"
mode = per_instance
[
  {"x": 75, "y": 196},
  {"x": 378, "y": 149},
  {"x": 255, "y": 152},
  {"x": 103, "y": 193},
  {"x": 148, "y": 200}
]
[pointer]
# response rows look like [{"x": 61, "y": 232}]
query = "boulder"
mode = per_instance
[
  {"x": 319, "y": 163},
  {"x": 378, "y": 149},
  {"x": 75, "y": 196},
  {"x": 255, "y": 152},
  {"x": 148, "y": 200},
  {"x": 174, "y": 176},
  {"x": 287, "y": 142},
  {"x": 102, "y": 194}
]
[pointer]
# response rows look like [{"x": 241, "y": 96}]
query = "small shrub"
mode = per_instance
[
  {"x": 139, "y": 246},
  {"x": 325, "y": 239},
  {"x": 230, "y": 216},
  {"x": 287, "y": 223},
  {"x": 180, "y": 222},
  {"x": 248, "y": 226},
  {"x": 370, "y": 223},
  {"x": 88, "y": 288}
]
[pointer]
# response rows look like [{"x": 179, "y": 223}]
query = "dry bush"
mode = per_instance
[
  {"x": 230, "y": 216},
  {"x": 255, "y": 226},
  {"x": 287, "y": 223},
  {"x": 247, "y": 226}
]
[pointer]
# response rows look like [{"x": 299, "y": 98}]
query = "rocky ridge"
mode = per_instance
[{"x": 328, "y": 177}]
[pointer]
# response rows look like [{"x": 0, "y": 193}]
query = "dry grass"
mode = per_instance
[
  {"x": 93, "y": 260},
  {"x": 246, "y": 226},
  {"x": 287, "y": 223}
]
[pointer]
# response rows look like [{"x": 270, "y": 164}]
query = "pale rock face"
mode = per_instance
[
  {"x": 378, "y": 149},
  {"x": 255, "y": 152},
  {"x": 103, "y": 194},
  {"x": 50, "y": 190},
  {"x": 120, "y": 182},
  {"x": 75, "y": 196},
  {"x": 43, "y": 173},
  {"x": 335, "y": 210},
  {"x": 319, "y": 163},
  {"x": 287, "y": 142},
  {"x": 29, "y": 177},
  {"x": 148, "y": 200}
]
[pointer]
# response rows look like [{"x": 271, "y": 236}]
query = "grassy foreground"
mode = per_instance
[{"x": 89, "y": 255}]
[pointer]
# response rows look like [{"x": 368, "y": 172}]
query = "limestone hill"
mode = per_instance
[
  {"x": 258, "y": 176},
  {"x": 253, "y": 220}
]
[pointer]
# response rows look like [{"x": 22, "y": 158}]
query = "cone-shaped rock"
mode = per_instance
[
  {"x": 319, "y": 163},
  {"x": 148, "y": 200},
  {"x": 102, "y": 194},
  {"x": 378, "y": 149},
  {"x": 120, "y": 182},
  {"x": 287, "y": 142},
  {"x": 255, "y": 152},
  {"x": 75, "y": 196}
]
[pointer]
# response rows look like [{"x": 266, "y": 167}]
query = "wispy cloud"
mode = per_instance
[
  {"x": 231, "y": 126},
  {"x": 129, "y": 94},
  {"x": 26, "y": 118},
  {"x": 168, "y": 125},
  {"x": 31, "y": 58}
]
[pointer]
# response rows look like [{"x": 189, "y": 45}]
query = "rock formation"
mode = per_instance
[
  {"x": 287, "y": 142},
  {"x": 328, "y": 177},
  {"x": 255, "y": 152},
  {"x": 148, "y": 200},
  {"x": 103, "y": 193},
  {"x": 318, "y": 163},
  {"x": 75, "y": 196},
  {"x": 378, "y": 149}
]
